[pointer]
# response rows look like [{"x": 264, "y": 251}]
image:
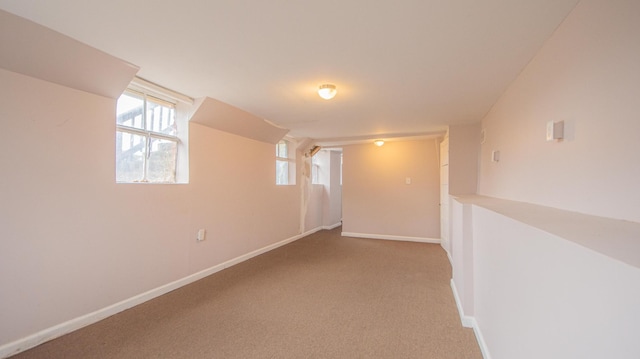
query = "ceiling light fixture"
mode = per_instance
[
  {"x": 327, "y": 91},
  {"x": 379, "y": 142}
]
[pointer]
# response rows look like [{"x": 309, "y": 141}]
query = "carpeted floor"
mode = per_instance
[{"x": 323, "y": 296}]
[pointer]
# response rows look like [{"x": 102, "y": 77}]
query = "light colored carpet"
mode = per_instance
[{"x": 323, "y": 296}]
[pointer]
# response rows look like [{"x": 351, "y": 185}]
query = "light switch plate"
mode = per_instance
[{"x": 555, "y": 130}]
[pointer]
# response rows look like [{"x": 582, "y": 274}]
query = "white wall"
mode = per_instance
[
  {"x": 588, "y": 75},
  {"x": 315, "y": 202},
  {"x": 324, "y": 203},
  {"x": 376, "y": 199},
  {"x": 462, "y": 258},
  {"x": 330, "y": 168},
  {"x": 73, "y": 241},
  {"x": 540, "y": 296}
]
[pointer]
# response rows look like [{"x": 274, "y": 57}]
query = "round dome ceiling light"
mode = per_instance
[{"x": 327, "y": 91}]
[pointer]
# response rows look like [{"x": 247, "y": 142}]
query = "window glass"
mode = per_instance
[
  {"x": 146, "y": 142},
  {"x": 282, "y": 172},
  {"x": 285, "y": 163},
  {"x": 315, "y": 170},
  {"x": 162, "y": 160},
  {"x": 160, "y": 117},
  {"x": 130, "y": 152},
  {"x": 281, "y": 149},
  {"x": 129, "y": 111}
]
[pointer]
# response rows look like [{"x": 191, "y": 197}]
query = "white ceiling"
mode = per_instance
[{"x": 403, "y": 68}]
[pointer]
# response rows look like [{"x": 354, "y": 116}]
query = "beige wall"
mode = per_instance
[
  {"x": 464, "y": 148},
  {"x": 587, "y": 75},
  {"x": 72, "y": 241},
  {"x": 233, "y": 194},
  {"x": 376, "y": 199}
]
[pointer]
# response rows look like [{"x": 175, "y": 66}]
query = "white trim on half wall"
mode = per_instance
[{"x": 391, "y": 237}]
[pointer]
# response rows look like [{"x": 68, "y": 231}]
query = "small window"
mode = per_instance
[
  {"x": 285, "y": 163},
  {"x": 146, "y": 139},
  {"x": 315, "y": 170}
]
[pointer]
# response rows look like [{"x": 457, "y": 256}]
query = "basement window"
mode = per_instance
[
  {"x": 285, "y": 163},
  {"x": 146, "y": 138},
  {"x": 315, "y": 169}
]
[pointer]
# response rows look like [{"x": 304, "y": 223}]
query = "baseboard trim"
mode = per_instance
[
  {"x": 392, "y": 238},
  {"x": 61, "y": 329},
  {"x": 467, "y": 321},
  {"x": 444, "y": 244},
  {"x": 481, "y": 343},
  {"x": 333, "y": 226},
  {"x": 470, "y": 322},
  {"x": 266, "y": 249}
]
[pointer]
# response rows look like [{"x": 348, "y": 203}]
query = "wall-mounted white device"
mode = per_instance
[
  {"x": 202, "y": 235},
  {"x": 555, "y": 130},
  {"x": 495, "y": 156}
]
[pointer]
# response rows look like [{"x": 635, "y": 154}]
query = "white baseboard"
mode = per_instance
[
  {"x": 467, "y": 321},
  {"x": 262, "y": 250},
  {"x": 481, "y": 343},
  {"x": 333, "y": 226},
  {"x": 392, "y": 238},
  {"x": 470, "y": 322},
  {"x": 444, "y": 244},
  {"x": 61, "y": 329}
]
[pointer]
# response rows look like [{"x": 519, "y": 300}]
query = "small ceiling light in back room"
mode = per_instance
[
  {"x": 327, "y": 91},
  {"x": 379, "y": 142}
]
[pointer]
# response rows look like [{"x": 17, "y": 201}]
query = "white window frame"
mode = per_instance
[
  {"x": 291, "y": 163},
  {"x": 315, "y": 169},
  {"x": 180, "y": 103}
]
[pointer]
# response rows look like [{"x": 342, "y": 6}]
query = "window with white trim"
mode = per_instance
[
  {"x": 146, "y": 139},
  {"x": 315, "y": 169},
  {"x": 285, "y": 163}
]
